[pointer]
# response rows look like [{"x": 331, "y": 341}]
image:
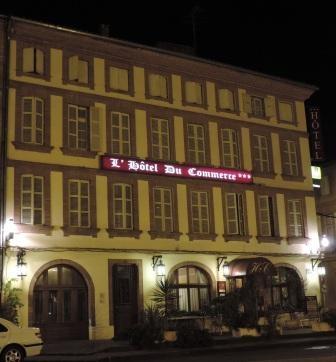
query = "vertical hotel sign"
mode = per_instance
[
  {"x": 315, "y": 134},
  {"x": 174, "y": 170}
]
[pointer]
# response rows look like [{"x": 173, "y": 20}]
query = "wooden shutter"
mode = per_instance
[
  {"x": 28, "y": 60},
  {"x": 95, "y": 129},
  {"x": 270, "y": 106},
  {"x": 73, "y": 68},
  {"x": 39, "y": 61}
]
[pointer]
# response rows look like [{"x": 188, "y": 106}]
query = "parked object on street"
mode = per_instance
[{"x": 16, "y": 343}]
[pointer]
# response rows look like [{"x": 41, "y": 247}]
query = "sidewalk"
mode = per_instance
[{"x": 109, "y": 350}]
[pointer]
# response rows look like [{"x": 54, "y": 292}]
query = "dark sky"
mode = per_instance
[{"x": 291, "y": 39}]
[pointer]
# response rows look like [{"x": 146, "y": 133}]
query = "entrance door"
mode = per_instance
[
  {"x": 125, "y": 298},
  {"x": 61, "y": 304}
]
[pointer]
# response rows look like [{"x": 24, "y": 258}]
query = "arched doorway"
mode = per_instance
[{"x": 60, "y": 304}]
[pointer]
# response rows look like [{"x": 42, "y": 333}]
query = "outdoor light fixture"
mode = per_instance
[
  {"x": 158, "y": 266},
  {"x": 21, "y": 265},
  {"x": 324, "y": 243},
  {"x": 221, "y": 262},
  {"x": 9, "y": 229}
]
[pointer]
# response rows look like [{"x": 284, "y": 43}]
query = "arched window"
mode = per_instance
[
  {"x": 287, "y": 289},
  {"x": 192, "y": 288}
]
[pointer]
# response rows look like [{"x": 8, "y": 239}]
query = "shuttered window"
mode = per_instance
[
  {"x": 158, "y": 86},
  {"x": 119, "y": 79},
  {"x": 266, "y": 216},
  {"x": 226, "y": 99},
  {"x": 193, "y": 92},
  {"x": 78, "y": 70},
  {"x": 286, "y": 112},
  {"x": 33, "y": 61}
]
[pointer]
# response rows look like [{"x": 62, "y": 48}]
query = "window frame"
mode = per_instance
[
  {"x": 202, "y": 83},
  {"x": 294, "y": 121},
  {"x": 85, "y": 176},
  {"x": 125, "y": 180},
  {"x": 115, "y": 64},
  {"x": 206, "y": 151},
  {"x": 20, "y": 59},
  {"x": 292, "y": 238},
  {"x": 122, "y": 108},
  {"x": 241, "y": 215},
  {"x": 82, "y": 57},
  {"x": 30, "y": 168},
  {"x": 235, "y": 164},
  {"x": 154, "y": 232},
  {"x": 169, "y": 88},
  {"x": 257, "y": 170},
  {"x": 234, "y": 92},
  {"x": 32, "y": 92},
  {"x": 289, "y": 138}
]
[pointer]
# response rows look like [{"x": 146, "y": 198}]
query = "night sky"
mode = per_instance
[{"x": 290, "y": 39}]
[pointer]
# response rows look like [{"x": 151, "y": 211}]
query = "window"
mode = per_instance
[
  {"x": 83, "y": 128},
  {"x": 200, "y": 212},
  {"x": 290, "y": 158},
  {"x": 230, "y": 148},
  {"x": 295, "y": 218},
  {"x": 163, "y": 209},
  {"x": 196, "y": 143},
  {"x": 260, "y": 153},
  {"x": 122, "y": 206},
  {"x": 287, "y": 290},
  {"x": 235, "y": 214},
  {"x": 79, "y": 203},
  {"x": 120, "y": 134},
  {"x": 286, "y": 112},
  {"x": 78, "y": 70},
  {"x": 32, "y": 120},
  {"x": 193, "y": 93},
  {"x": 160, "y": 139},
  {"x": 158, "y": 85},
  {"x": 266, "y": 216},
  {"x": 192, "y": 288},
  {"x": 259, "y": 106},
  {"x": 226, "y": 99},
  {"x": 33, "y": 61},
  {"x": 32, "y": 200},
  {"x": 119, "y": 79}
]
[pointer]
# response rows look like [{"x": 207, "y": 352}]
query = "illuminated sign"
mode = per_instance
[
  {"x": 315, "y": 134},
  {"x": 316, "y": 172},
  {"x": 160, "y": 168}
]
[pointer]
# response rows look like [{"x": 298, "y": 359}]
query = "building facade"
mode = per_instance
[{"x": 119, "y": 158}]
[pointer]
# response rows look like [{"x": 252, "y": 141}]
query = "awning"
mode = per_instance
[{"x": 259, "y": 265}]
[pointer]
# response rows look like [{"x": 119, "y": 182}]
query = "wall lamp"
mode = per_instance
[
  {"x": 158, "y": 266},
  {"x": 222, "y": 263},
  {"x": 21, "y": 265},
  {"x": 9, "y": 229},
  {"x": 324, "y": 243}
]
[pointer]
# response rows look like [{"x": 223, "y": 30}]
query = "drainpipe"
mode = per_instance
[{"x": 3, "y": 143}]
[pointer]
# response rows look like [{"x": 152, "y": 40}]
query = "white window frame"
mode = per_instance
[
  {"x": 290, "y": 158},
  {"x": 82, "y": 201},
  {"x": 33, "y": 119},
  {"x": 160, "y": 138},
  {"x": 163, "y": 209},
  {"x": 230, "y": 148},
  {"x": 200, "y": 216},
  {"x": 295, "y": 218},
  {"x": 32, "y": 199},
  {"x": 196, "y": 143},
  {"x": 235, "y": 214},
  {"x": 120, "y": 133},
  {"x": 122, "y": 206},
  {"x": 261, "y": 157}
]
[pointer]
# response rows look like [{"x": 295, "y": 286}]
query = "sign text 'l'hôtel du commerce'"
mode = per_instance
[{"x": 160, "y": 168}]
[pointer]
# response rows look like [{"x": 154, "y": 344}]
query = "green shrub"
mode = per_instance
[
  {"x": 10, "y": 302},
  {"x": 193, "y": 337}
]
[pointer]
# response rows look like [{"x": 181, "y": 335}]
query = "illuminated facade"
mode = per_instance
[{"x": 117, "y": 153}]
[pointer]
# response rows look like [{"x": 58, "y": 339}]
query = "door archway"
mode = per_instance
[{"x": 60, "y": 303}]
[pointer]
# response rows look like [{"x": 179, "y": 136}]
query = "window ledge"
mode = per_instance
[
  {"x": 72, "y": 230},
  {"x": 296, "y": 240},
  {"x": 78, "y": 153},
  {"x": 32, "y": 147},
  {"x": 298, "y": 178},
  {"x": 164, "y": 235},
  {"x": 233, "y": 237},
  {"x": 122, "y": 232},
  {"x": 34, "y": 229},
  {"x": 269, "y": 239},
  {"x": 202, "y": 236}
]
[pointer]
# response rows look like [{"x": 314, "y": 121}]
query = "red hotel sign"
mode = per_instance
[{"x": 160, "y": 168}]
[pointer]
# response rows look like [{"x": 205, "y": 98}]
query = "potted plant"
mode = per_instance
[{"x": 164, "y": 298}]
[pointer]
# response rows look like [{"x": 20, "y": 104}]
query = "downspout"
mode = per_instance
[{"x": 3, "y": 144}]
